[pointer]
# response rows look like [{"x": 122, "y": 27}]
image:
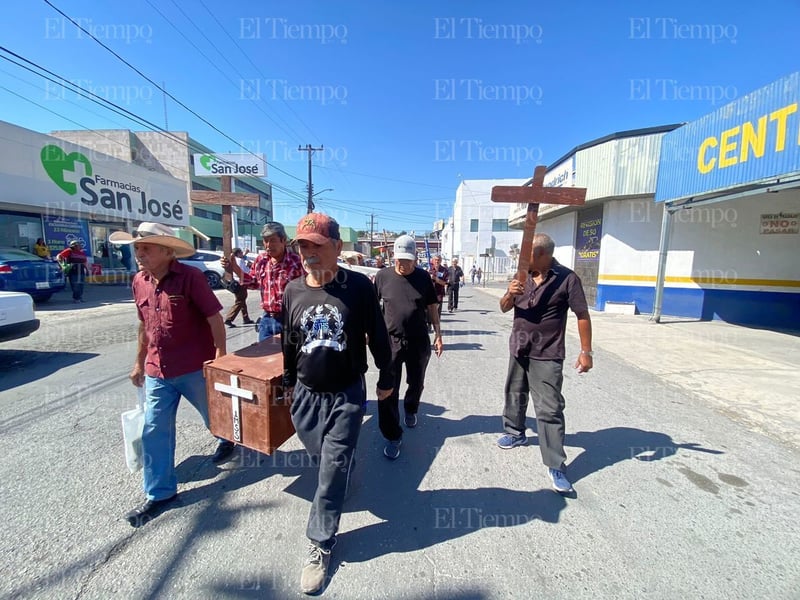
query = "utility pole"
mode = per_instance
[
  {"x": 310, "y": 151},
  {"x": 371, "y": 232}
]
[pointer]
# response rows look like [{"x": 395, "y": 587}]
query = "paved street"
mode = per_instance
[{"x": 685, "y": 471}]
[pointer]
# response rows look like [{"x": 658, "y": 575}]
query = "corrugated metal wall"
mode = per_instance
[{"x": 619, "y": 167}]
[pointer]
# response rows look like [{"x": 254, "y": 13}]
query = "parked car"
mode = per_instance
[
  {"x": 17, "y": 318},
  {"x": 21, "y": 271},
  {"x": 208, "y": 262}
]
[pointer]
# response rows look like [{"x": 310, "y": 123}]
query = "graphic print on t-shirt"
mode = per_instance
[{"x": 323, "y": 326}]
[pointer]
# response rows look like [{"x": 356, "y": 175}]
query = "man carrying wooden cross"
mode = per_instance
[{"x": 540, "y": 294}]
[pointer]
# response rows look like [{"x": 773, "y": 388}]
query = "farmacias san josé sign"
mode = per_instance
[{"x": 124, "y": 197}]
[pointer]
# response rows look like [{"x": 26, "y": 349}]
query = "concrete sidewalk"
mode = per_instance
[{"x": 749, "y": 375}]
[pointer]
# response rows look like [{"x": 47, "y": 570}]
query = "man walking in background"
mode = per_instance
[
  {"x": 455, "y": 275},
  {"x": 439, "y": 274},
  {"x": 408, "y": 298},
  {"x": 272, "y": 270},
  {"x": 75, "y": 263},
  {"x": 239, "y": 270}
]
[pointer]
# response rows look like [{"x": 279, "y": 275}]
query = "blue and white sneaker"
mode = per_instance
[
  {"x": 560, "y": 482},
  {"x": 392, "y": 449},
  {"x": 508, "y": 441}
]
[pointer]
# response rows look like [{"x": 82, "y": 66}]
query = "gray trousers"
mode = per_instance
[
  {"x": 542, "y": 379},
  {"x": 328, "y": 424}
]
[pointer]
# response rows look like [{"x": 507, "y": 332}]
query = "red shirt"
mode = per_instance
[
  {"x": 175, "y": 314},
  {"x": 74, "y": 256},
  {"x": 272, "y": 278}
]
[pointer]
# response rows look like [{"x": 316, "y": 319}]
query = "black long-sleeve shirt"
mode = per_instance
[{"x": 326, "y": 331}]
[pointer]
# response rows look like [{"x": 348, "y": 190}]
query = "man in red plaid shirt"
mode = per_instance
[{"x": 272, "y": 270}]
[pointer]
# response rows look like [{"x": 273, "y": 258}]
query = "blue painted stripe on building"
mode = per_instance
[{"x": 758, "y": 309}]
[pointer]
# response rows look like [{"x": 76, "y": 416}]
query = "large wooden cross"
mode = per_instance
[
  {"x": 534, "y": 195},
  {"x": 225, "y": 198}
]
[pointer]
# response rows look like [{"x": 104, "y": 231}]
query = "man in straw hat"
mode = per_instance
[
  {"x": 329, "y": 318},
  {"x": 180, "y": 327}
]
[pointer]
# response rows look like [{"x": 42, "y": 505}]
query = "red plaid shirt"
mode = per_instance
[{"x": 272, "y": 277}]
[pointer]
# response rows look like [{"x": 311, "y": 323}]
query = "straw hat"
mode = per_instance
[{"x": 154, "y": 233}]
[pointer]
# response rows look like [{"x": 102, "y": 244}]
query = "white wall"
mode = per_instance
[
  {"x": 473, "y": 201},
  {"x": 562, "y": 230},
  {"x": 721, "y": 242}
]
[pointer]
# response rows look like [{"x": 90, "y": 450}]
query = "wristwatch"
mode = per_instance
[{"x": 587, "y": 352}]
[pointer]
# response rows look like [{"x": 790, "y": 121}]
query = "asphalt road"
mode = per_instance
[{"x": 674, "y": 497}]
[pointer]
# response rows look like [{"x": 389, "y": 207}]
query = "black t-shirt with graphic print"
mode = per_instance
[{"x": 326, "y": 331}]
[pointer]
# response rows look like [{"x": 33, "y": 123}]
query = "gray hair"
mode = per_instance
[{"x": 545, "y": 242}]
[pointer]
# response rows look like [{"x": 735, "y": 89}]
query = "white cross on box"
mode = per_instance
[{"x": 237, "y": 394}]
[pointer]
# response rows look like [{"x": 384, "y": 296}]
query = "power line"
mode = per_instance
[
  {"x": 111, "y": 106},
  {"x": 145, "y": 77},
  {"x": 254, "y": 65},
  {"x": 212, "y": 63}
]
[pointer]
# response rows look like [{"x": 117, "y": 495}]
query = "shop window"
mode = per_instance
[{"x": 20, "y": 230}]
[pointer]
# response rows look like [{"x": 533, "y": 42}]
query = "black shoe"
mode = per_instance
[
  {"x": 229, "y": 323},
  {"x": 249, "y": 322},
  {"x": 223, "y": 452},
  {"x": 147, "y": 511}
]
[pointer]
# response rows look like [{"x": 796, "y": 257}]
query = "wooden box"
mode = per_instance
[{"x": 245, "y": 397}]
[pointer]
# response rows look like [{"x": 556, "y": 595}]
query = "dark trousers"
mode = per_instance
[
  {"x": 452, "y": 297},
  {"x": 76, "y": 279},
  {"x": 328, "y": 424},
  {"x": 239, "y": 305},
  {"x": 415, "y": 354},
  {"x": 542, "y": 379}
]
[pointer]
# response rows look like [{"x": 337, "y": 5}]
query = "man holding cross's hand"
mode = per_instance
[{"x": 540, "y": 294}]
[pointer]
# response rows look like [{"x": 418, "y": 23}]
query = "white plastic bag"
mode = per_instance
[{"x": 132, "y": 428}]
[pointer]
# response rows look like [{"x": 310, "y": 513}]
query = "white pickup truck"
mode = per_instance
[{"x": 17, "y": 318}]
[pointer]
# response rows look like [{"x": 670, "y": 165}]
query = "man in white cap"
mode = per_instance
[
  {"x": 408, "y": 297},
  {"x": 180, "y": 327}
]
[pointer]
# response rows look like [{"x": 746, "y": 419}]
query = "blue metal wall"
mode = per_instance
[{"x": 753, "y": 139}]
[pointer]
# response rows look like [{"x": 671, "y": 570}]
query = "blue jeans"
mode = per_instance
[
  {"x": 158, "y": 437},
  {"x": 267, "y": 327}
]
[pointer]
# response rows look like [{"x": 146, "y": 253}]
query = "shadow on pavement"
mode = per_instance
[
  {"x": 18, "y": 367},
  {"x": 607, "y": 447}
]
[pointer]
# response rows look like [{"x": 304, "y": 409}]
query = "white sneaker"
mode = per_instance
[{"x": 560, "y": 482}]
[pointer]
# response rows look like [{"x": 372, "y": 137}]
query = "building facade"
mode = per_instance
[
  {"x": 479, "y": 232},
  {"x": 171, "y": 153},
  {"x": 60, "y": 191},
  {"x": 698, "y": 220}
]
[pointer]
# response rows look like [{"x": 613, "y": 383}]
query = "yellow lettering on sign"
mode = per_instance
[
  {"x": 727, "y": 146},
  {"x": 702, "y": 165},
  {"x": 747, "y": 138},
  {"x": 780, "y": 116},
  {"x": 751, "y": 139}
]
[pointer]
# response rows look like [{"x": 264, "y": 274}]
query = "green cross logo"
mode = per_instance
[
  {"x": 206, "y": 161},
  {"x": 56, "y": 162}
]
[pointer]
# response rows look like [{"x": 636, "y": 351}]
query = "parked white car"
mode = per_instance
[
  {"x": 208, "y": 262},
  {"x": 17, "y": 317}
]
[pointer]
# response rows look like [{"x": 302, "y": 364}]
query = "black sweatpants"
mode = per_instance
[
  {"x": 328, "y": 424},
  {"x": 415, "y": 354}
]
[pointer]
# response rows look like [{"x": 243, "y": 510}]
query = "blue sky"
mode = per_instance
[{"x": 407, "y": 98}]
